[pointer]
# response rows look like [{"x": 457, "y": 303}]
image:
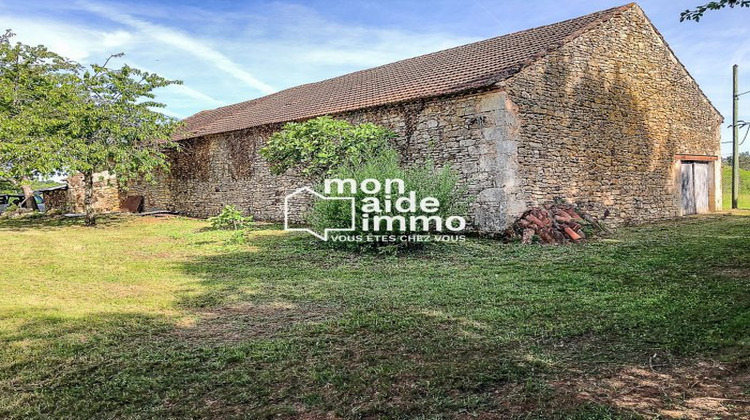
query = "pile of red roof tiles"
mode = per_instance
[{"x": 554, "y": 224}]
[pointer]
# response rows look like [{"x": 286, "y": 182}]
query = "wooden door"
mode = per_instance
[
  {"x": 688, "y": 193},
  {"x": 700, "y": 186},
  {"x": 694, "y": 187}
]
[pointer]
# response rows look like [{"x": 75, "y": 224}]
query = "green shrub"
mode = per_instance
[
  {"x": 320, "y": 146},
  {"x": 425, "y": 180},
  {"x": 238, "y": 238},
  {"x": 230, "y": 218}
]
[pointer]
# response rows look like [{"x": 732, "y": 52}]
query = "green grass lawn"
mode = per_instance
[
  {"x": 158, "y": 318},
  {"x": 726, "y": 180}
]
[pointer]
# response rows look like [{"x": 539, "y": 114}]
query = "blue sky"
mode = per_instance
[{"x": 230, "y": 51}]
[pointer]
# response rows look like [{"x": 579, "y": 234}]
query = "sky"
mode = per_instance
[{"x": 232, "y": 51}]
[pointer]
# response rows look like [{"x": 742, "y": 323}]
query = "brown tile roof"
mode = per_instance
[{"x": 464, "y": 68}]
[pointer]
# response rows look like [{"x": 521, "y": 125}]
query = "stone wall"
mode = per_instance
[
  {"x": 474, "y": 134},
  {"x": 107, "y": 194},
  {"x": 464, "y": 131},
  {"x": 56, "y": 200},
  {"x": 214, "y": 171},
  {"x": 602, "y": 119},
  {"x": 597, "y": 122}
]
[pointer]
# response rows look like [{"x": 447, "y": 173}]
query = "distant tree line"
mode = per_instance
[{"x": 744, "y": 160}]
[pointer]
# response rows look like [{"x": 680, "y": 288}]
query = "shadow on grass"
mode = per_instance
[
  {"x": 293, "y": 329},
  {"x": 258, "y": 361},
  {"x": 660, "y": 295},
  {"x": 42, "y": 222}
]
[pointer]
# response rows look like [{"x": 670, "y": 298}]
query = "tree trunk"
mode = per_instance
[
  {"x": 28, "y": 193},
  {"x": 88, "y": 198}
]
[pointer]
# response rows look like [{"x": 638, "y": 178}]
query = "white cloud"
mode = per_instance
[
  {"x": 381, "y": 48},
  {"x": 309, "y": 38},
  {"x": 194, "y": 94},
  {"x": 76, "y": 43},
  {"x": 169, "y": 113},
  {"x": 116, "y": 39},
  {"x": 184, "y": 42},
  {"x": 284, "y": 45}
]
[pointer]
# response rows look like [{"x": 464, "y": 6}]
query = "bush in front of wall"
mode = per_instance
[{"x": 230, "y": 219}]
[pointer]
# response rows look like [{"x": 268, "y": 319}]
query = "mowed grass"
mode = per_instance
[
  {"x": 743, "y": 201},
  {"x": 160, "y": 317}
]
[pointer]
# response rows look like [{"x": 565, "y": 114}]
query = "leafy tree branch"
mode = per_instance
[
  {"x": 36, "y": 90},
  {"x": 697, "y": 13},
  {"x": 58, "y": 117}
]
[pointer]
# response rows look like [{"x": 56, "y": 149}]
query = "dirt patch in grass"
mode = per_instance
[
  {"x": 739, "y": 273},
  {"x": 243, "y": 321},
  {"x": 694, "y": 391}
]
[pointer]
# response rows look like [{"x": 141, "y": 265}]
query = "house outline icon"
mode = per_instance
[{"x": 323, "y": 237}]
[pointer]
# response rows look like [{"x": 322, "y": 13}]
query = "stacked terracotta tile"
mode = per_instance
[{"x": 553, "y": 224}]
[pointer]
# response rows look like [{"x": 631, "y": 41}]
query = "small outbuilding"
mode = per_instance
[
  {"x": 69, "y": 197},
  {"x": 55, "y": 198},
  {"x": 596, "y": 110}
]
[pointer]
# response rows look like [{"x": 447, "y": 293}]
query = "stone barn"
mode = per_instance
[{"x": 595, "y": 110}]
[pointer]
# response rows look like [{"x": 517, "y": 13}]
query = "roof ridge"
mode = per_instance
[
  {"x": 225, "y": 115},
  {"x": 481, "y": 41},
  {"x": 606, "y": 14}
]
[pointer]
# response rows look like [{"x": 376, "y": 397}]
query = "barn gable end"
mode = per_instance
[{"x": 605, "y": 118}]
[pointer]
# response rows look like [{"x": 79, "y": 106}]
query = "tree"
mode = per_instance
[
  {"x": 318, "y": 146},
  {"x": 114, "y": 127},
  {"x": 35, "y": 92},
  {"x": 698, "y": 12}
]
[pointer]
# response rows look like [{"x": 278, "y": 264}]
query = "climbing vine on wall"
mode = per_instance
[
  {"x": 192, "y": 161},
  {"x": 241, "y": 150}
]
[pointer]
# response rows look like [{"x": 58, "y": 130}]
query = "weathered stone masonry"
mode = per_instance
[
  {"x": 222, "y": 169},
  {"x": 598, "y": 122},
  {"x": 107, "y": 194},
  {"x": 603, "y": 117}
]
